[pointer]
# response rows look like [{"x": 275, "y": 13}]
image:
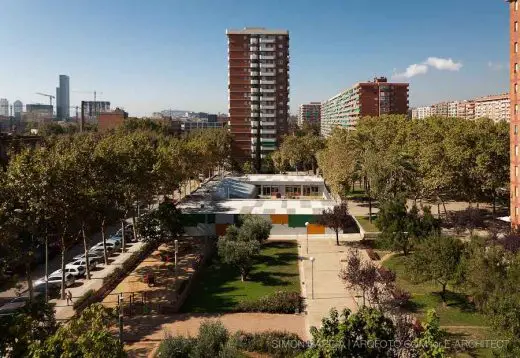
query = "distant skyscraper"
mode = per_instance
[
  {"x": 4, "y": 107},
  {"x": 63, "y": 98},
  {"x": 18, "y": 109}
]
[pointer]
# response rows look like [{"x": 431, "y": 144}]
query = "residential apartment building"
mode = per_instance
[
  {"x": 514, "y": 60},
  {"x": 466, "y": 109},
  {"x": 258, "y": 91},
  {"x": 4, "y": 107},
  {"x": 496, "y": 108},
  {"x": 310, "y": 113},
  {"x": 363, "y": 99},
  {"x": 421, "y": 112}
]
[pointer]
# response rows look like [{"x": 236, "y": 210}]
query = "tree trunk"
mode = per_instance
[
  {"x": 369, "y": 202},
  {"x": 494, "y": 202},
  {"x": 134, "y": 226},
  {"x": 85, "y": 248},
  {"x": 62, "y": 296},
  {"x": 337, "y": 237},
  {"x": 29, "y": 279},
  {"x": 103, "y": 237},
  {"x": 123, "y": 235},
  {"x": 443, "y": 294}
]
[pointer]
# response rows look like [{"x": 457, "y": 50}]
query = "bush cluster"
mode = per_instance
[
  {"x": 214, "y": 340},
  {"x": 278, "y": 302},
  {"x": 274, "y": 343}
]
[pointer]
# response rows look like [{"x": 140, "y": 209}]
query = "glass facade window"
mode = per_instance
[{"x": 311, "y": 191}]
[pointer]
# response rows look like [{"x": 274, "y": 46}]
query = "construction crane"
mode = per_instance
[
  {"x": 51, "y": 97},
  {"x": 94, "y": 92}
]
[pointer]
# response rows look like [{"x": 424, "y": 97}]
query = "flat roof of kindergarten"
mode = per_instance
[
  {"x": 281, "y": 178},
  {"x": 205, "y": 205}
]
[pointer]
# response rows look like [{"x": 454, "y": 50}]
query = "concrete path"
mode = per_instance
[
  {"x": 65, "y": 312},
  {"x": 143, "y": 334},
  {"x": 329, "y": 290}
]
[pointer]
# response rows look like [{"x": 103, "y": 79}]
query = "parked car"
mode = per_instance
[
  {"x": 129, "y": 233},
  {"x": 83, "y": 263},
  {"x": 17, "y": 303},
  {"x": 77, "y": 271},
  {"x": 91, "y": 255},
  {"x": 55, "y": 281},
  {"x": 111, "y": 246}
]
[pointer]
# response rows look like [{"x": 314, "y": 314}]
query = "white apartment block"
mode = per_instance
[
  {"x": 422, "y": 112},
  {"x": 493, "y": 107}
]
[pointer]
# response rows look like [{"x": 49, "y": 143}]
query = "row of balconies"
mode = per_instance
[{"x": 262, "y": 40}]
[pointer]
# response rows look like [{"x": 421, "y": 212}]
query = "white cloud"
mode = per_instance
[
  {"x": 443, "y": 64},
  {"x": 412, "y": 70},
  {"x": 496, "y": 66}
]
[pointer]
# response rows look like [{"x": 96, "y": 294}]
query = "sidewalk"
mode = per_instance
[
  {"x": 329, "y": 290},
  {"x": 64, "y": 312}
]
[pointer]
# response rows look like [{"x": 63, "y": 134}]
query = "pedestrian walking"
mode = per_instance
[{"x": 69, "y": 297}]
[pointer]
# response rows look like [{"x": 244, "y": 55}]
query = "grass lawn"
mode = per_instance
[
  {"x": 219, "y": 288},
  {"x": 367, "y": 225},
  {"x": 457, "y": 314}
]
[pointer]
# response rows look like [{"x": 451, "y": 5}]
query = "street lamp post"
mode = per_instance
[
  {"x": 312, "y": 277},
  {"x": 307, "y": 233}
]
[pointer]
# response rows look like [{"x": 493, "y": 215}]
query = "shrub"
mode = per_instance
[
  {"x": 85, "y": 299},
  {"x": 274, "y": 343},
  {"x": 212, "y": 338},
  {"x": 278, "y": 302},
  {"x": 175, "y": 346}
]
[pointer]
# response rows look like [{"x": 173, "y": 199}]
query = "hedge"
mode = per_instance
[
  {"x": 84, "y": 298},
  {"x": 114, "y": 278},
  {"x": 278, "y": 302}
]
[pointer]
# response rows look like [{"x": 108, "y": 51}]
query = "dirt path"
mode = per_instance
[{"x": 144, "y": 333}]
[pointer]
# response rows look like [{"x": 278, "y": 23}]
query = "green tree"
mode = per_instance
[
  {"x": 237, "y": 250},
  {"x": 429, "y": 339},
  {"x": 32, "y": 323},
  {"x": 352, "y": 335},
  {"x": 437, "y": 260},
  {"x": 85, "y": 336},
  {"x": 393, "y": 222},
  {"x": 254, "y": 227},
  {"x": 163, "y": 224}
]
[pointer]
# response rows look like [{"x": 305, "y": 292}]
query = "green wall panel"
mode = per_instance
[{"x": 300, "y": 220}]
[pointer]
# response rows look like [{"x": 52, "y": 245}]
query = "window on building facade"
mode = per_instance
[
  {"x": 516, "y": 47},
  {"x": 516, "y": 150},
  {"x": 516, "y": 211},
  {"x": 516, "y": 26},
  {"x": 516, "y": 5}
]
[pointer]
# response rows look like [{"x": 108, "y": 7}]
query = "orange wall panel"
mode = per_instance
[
  {"x": 280, "y": 219},
  {"x": 315, "y": 229}
]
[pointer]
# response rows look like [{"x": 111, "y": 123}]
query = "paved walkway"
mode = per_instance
[
  {"x": 148, "y": 331},
  {"x": 329, "y": 290},
  {"x": 63, "y": 311}
]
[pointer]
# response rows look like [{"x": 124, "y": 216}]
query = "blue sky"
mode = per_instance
[{"x": 152, "y": 55}]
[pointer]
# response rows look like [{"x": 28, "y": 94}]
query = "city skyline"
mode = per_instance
[{"x": 160, "y": 64}]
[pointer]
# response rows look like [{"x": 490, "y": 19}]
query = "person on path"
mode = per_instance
[{"x": 69, "y": 297}]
